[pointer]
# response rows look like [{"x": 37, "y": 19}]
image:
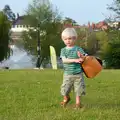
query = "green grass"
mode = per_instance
[{"x": 35, "y": 95}]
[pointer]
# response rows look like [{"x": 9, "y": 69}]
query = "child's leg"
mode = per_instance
[
  {"x": 66, "y": 88},
  {"x": 79, "y": 88},
  {"x": 78, "y": 100},
  {"x": 67, "y": 85}
]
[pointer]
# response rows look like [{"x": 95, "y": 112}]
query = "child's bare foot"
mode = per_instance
[
  {"x": 65, "y": 101},
  {"x": 79, "y": 106}
]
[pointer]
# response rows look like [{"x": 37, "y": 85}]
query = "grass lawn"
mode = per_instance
[{"x": 35, "y": 95}]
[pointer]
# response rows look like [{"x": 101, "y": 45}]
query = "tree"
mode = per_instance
[
  {"x": 69, "y": 22},
  {"x": 115, "y": 7},
  {"x": 103, "y": 39},
  {"x": 112, "y": 53},
  {"x": 8, "y": 12},
  {"x": 49, "y": 22},
  {"x": 92, "y": 44},
  {"x": 4, "y": 36}
]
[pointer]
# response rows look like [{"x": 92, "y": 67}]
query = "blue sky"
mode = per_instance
[{"x": 80, "y": 10}]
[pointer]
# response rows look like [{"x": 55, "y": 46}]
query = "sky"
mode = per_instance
[{"x": 81, "y": 11}]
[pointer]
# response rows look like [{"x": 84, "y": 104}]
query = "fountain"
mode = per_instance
[{"x": 19, "y": 60}]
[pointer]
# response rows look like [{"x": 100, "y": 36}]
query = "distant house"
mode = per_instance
[
  {"x": 115, "y": 24},
  {"x": 18, "y": 26},
  {"x": 94, "y": 26}
]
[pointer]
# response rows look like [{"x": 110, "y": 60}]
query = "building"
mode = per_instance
[
  {"x": 18, "y": 26},
  {"x": 115, "y": 24}
]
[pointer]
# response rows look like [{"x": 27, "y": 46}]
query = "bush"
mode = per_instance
[{"x": 112, "y": 53}]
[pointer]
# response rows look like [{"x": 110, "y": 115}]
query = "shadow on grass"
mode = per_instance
[{"x": 103, "y": 106}]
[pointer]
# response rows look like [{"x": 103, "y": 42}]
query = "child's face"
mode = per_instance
[{"x": 69, "y": 41}]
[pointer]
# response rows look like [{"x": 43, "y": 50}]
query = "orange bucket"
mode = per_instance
[{"x": 91, "y": 66}]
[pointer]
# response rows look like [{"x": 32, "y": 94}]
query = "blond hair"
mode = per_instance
[{"x": 69, "y": 32}]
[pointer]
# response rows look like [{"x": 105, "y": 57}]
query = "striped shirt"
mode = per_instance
[{"x": 71, "y": 53}]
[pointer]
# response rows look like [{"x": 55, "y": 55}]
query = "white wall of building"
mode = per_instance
[{"x": 19, "y": 28}]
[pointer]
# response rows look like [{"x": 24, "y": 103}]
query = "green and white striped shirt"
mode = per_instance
[{"x": 71, "y": 53}]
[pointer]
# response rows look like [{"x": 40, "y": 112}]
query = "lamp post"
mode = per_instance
[{"x": 38, "y": 44}]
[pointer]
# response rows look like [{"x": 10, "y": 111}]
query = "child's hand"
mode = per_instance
[{"x": 80, "y": 55}]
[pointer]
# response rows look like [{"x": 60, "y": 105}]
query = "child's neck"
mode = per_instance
[{"x": 70, "y": 46}]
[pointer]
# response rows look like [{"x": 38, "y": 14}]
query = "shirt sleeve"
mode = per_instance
[{"x": 62, "y": 53}]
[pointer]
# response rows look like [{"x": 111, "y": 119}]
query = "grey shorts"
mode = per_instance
[{"x": 73, "y": 81}]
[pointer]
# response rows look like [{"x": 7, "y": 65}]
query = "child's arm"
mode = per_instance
[{"x": 67, "y": 60}]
